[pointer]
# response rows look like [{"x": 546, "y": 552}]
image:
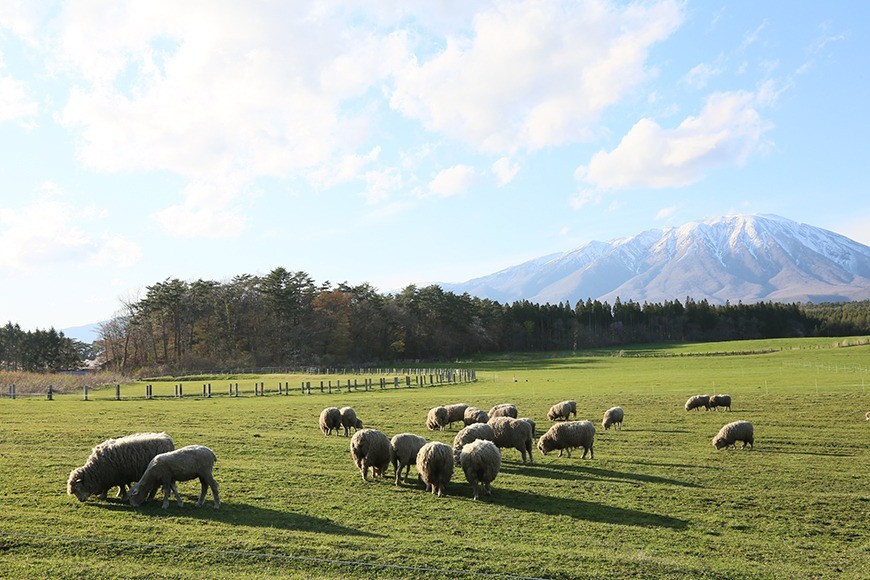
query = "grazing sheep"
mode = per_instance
[
  {"x": 562, "y": 410},
  {"x": 370, "y": 448},
  {"x": 532, "y": 424},
  {"x": 403, "y": 453},
  {"x": 471, "y": 433},
  {"x": 455, "y": 412},
  {"x": 509, "y": 432},
  {"x": 118, "y": 462},
  {"x": 435, "y": 466},
  {"x": 480, "y": 461},
  {"x": 349, "y": 419},
  {"x": 613, "y": 416},
  {"x": 720, "y": 401},
  {"x": 437, "y": 418},
  {"x": 698, "y": 401},
  {"x": 504, "y": 410},
  {"x": 731, "y": 433},
  {"x": 191, "y": 462},
  {"x": 330, "y": 420},
  {"x": 569, "y": 435},
  {"x": 475, "y": 415}
]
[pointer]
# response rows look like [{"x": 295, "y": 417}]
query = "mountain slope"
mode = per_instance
[{"x": 748, "y": 258}]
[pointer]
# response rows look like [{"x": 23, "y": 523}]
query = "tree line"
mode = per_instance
[
  {"x": 286, "y": 319},
  {"x": 39, "y": 350}
]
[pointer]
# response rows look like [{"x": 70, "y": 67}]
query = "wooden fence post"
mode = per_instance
[
  {"x": 86, "y": 392},
  {"x": 50, "y": 393}
]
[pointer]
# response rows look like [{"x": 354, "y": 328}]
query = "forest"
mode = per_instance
[{"x": 286, "y": 320}]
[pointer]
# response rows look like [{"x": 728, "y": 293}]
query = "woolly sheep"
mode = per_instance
[
  {"x": 475, "y": 415},
  {"x": 720, "y": 401},
  {"x": 613, "y": 416},
  {"x": 471, "y": 433},
  {"x": 532, "y": 424},
  {"x": 349, "y": 419},
  {"x": 509, "y": 432},
  {"x": 330, "y": 420},
  {"x": 867, "y": 415},
  {"x": 370, "y": 448},
  {"x": 569, "y": 435},
  {"x": 698, "y": 401},
  {"x": 191, "y": 462},
  {"x": 435, "y": 466},
  {"x": 455, "y": 412},
  {"x": 403, "y": 453},
  {"x": 117, "y": 462},
  {"x": 480, "y": 462},
  {"x": 731, "y": 433},
  {"x": 437, "y": 418},
  {"x": 504, "y": 410},
  {"x": 562, "y": 410}
]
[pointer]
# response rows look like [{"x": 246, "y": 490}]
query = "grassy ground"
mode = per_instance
[{"x": 657, "y": 500}]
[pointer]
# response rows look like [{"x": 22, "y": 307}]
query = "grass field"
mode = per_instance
[{"x": 657, "y": 500}]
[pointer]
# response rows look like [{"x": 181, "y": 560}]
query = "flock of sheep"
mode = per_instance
[
  {"x": 730, "y": 434},
  {"x": 476, "y": 447}
]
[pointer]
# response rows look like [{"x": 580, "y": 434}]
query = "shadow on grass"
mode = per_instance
[
  {"x": 577, "y": 472},
  {"x": 240, "y": 514},
  {"x": 582, "y": 510}
]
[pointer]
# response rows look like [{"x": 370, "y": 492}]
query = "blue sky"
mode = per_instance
[{"x": 395, "y": 142}]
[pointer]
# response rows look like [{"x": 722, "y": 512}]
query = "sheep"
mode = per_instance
[
  {"x": 403, "y": 453},
  {"x": 569, "y": 435},
  {"x": 612, "y": 416},
  {"x": 349, "y": 419},
  {"x": 468, "y": 434},
  {"x": 720, "y": 401},
  {"x": 330, "y": 420},
  {"x": 370, "y": 448},
  {"x": 480, "y": 461},
  {"x": 116, "y": 462},
  {"x": 562, "y": 410},
  {"x": 504, "y": 410},
  {"x": 731, "y": 433},
  {"x": 435, "y": 466},
  {"x": 437, "y": 418},
  {"x": 191, "y": 462},
  {"x": 698, "y": 401},
  {"x": 455, "y": 412},
  {"x": 474, "y": 415},
  {"x": 532, "y": 424},
  {"x": 509, "y": 432},
  {"x": 867, "y": 415}
]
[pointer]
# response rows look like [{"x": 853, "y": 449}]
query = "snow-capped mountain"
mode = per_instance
[{"x": 748, "y": 258}]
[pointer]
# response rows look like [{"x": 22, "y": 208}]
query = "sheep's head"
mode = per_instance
[
  {"x": 358, "y": 424},
  {"x": 75, "y": 486},
  {"x": 545, "y": 445},
  {"x": 137, "y": 495},
  {"x": 719, "y": 443}
]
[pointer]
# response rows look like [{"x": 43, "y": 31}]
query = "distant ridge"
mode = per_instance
[{"x": 748, "y": 258}]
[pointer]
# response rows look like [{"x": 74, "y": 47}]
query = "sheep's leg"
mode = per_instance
[
  {"x": 476, "y": 490},
  {"x": 167, "y": 489},
  {"x": 214, "y": 491},
  {"x": 203, "y": 488},
  {"x": 407, "y": 472},
  {"x": 568, "y": 450}
]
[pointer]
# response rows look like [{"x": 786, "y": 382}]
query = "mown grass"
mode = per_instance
[{"x": 657, "y": 500}]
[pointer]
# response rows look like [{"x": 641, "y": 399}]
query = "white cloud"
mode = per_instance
[
  {"x": 726, "y": 132},
  {"x": 505, "y": 170},
  {"x": 666, "y": 212},
  {"x": 532, "y": 74},
  {"x": 700, "y": 75},
  {"x": 380, "y": 184},
  {"x": 583, "y": 198},
  {"x": 207, "y": 211},
  {"x": 15, "y": 101},
  {"x": 452, "y": 181}
]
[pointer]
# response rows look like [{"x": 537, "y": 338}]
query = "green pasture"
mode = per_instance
[{"x": 656, "y": 501}]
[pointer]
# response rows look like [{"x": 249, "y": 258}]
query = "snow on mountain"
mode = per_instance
[{"x": 748, "y": 258}]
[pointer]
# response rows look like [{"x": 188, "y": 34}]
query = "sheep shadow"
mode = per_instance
[
  {"x": 582, "y": 510},
  {"x": 579, "y": 472}
]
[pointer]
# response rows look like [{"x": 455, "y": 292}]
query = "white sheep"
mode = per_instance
[
  {"x": 330, "y": 420},
  {"x": 403, "y": 453},
  {"x": 613, "y": 416},
  {"x": 731, "y": 433},
  {"x": 532, "y": 424},
  {"x": 698, "y": 401},
  {"x": 509, "y": 432},
  {"x": 569, "y": 435},
  {"x": 117, "y": 462},
  {"x": 562, "y": 411},
  {"x": 370, "y": 448},
  {"x": 481, "y": 461},
  {"x": 436, "y": 418},
  {"x": 504, "y": 410},
  {"x": 455, "y": 412},
  {"x": 468, "y": 434},
  {"x": 475, "y": 415},
  {"x": 349, "y": 419},
  {"x": 191, "y": 462},
  {"x": 720, "y": 401},
  {"x": 435, "y": 466}
]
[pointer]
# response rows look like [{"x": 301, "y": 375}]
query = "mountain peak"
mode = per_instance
[{"x": 746, "y": 257}]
